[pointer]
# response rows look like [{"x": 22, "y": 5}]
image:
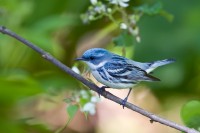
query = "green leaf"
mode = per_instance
[
  {"x": 167, "y": 15},
  {"x": 124, "y": 39},
  {"x": 155, "y": 9},
  {"x": 190, "y": 114},
  {"x": 67, "y": 100},
  {"x": 54, "y": 22},
  {"x": 150, "y": 10},
  {"x": 55, "y": 80},
  {"x": 71, "y": 110},
  {"x": 42, "y": 30},
  {"x": 16, "y": 84}
]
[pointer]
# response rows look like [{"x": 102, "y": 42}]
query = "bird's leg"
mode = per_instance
[
  {"x": 126, "y": 98},
  {"x": 101, "y": 90}
]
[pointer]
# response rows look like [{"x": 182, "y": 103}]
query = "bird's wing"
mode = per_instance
[{"x": 122, "y": 70}]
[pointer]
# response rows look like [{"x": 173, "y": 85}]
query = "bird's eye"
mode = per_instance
[{"x": 91, "y": 58}]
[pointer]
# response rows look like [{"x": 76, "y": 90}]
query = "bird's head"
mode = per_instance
[{"x": 95, "y": 57}]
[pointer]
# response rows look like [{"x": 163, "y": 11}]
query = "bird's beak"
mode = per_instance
[{"x": 79, "y": 59}]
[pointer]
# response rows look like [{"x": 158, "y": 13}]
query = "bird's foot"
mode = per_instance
[
  {"x": 101, "y": 90},
  {"x": 124, "y": 102},
  {"x": 125, "y": 99}
]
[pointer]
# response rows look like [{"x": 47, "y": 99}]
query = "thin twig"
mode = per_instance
[{"x": 106, "y": 94}]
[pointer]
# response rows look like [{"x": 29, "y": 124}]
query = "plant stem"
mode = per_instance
[{"x": 106, "y": 94}]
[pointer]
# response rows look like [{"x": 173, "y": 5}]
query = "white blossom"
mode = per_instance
[
  {"x": 84, "y": 94},
  {"x": 90, "y": 108},
  {"x": 100, "y": 8},
  {"x": 123, "y": 26},
  {"x": 109, "y": 10},
  {"x": 133, "y": 19},
  {"x": 122, "y": 3},
  {"x": 138, "y": 39},
  {"x": 135, "y": 31},
  {"x": 94, "y": 2},
  {"x": 91, "y": 17},
  {"x": 94, "y": 99}
]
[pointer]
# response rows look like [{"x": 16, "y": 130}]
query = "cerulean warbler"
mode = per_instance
[{"x": 118, "y": 72}]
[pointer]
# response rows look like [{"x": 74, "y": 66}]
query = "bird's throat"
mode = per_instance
[{"x": 95, "y": 66}]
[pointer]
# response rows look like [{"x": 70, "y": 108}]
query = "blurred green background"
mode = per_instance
[{"x": 56, "y": 27}]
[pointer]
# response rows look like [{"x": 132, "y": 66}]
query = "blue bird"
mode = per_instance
[{"x": 118, "y": 72}]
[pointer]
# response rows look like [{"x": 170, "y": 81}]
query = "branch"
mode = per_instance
[{"x": 92, "y": 86}]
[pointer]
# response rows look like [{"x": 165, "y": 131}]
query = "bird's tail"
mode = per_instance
[{"x": 155, "y": 64}]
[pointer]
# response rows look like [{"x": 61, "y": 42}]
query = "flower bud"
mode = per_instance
[{"x": 123, "y": 26}]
